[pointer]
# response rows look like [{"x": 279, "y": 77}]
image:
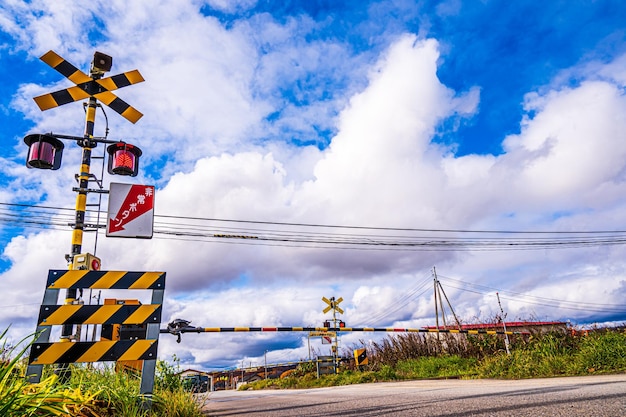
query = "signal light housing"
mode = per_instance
[
  {"x": 102, "y": 62},
  {"x": 44, "y": 151},
  {"x": 123, "y": 159}
]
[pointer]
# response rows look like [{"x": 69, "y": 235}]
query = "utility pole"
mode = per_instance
[
  {"x": 503, "y": 316},
  {"x": 438, "y": 291},
  {"x": 436, "y": 307}
]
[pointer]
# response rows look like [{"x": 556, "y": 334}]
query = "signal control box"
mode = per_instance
[{"x": 86, "y": 261}]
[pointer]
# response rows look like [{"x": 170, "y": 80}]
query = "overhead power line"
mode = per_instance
[
  {"x": 311, "y": 235},
  {"x": 526, "y": 298}
]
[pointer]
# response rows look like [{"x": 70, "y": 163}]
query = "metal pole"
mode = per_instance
[
  {"x": 87, "y": 144},
  {"x": 443, "y": 311},
  {"x": 506, "y": 336},
  {"x": 95, "y": 326},
  {"x": 436, "y": 307},
  {"x": 336, "y": 346},
  {"x": 458, "y": 322}
]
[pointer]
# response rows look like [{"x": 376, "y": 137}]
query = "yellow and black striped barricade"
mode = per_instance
[
  {"x": 51, "y": 315},
  {"x": 360, "y": 357},
  {"x": 102, "y": 351},
  {"x": 44, "y": 352}
]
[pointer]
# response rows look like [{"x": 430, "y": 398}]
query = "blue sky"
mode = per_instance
[{"x": 406, "y": 122}]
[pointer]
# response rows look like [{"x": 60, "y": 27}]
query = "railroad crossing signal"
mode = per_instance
[
  {"x": 332, "y": 304},
  {"x": 86, "y": 86}
]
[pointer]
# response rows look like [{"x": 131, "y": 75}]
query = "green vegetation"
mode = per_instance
[
  {"x": 554, "y": 354},
  {"x": 422, "y": 356},
  {"x": 102, "y": 392},
  {"x": 90, "y": 392}
]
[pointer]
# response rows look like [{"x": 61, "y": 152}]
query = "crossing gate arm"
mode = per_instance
[{"x": 179, "y": 326}]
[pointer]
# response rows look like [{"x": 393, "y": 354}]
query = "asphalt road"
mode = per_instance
[{"x": 590, "y": 396}]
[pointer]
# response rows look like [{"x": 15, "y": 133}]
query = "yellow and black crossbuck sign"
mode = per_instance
[
  {"x": 86, "y": 86},
  {"x": 332, "y": 304}
]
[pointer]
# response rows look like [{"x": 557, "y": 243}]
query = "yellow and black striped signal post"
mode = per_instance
[
  {"x": 92, "y": 87},
  {"x": 333, "y": 304},
  {"x": 44, "y": 352}
]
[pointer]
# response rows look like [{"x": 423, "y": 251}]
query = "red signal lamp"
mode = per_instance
[
  {"x": 44, "y": 151},
  {"x": 123, "y": 159}
]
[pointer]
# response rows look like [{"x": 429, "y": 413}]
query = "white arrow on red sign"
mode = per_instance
[{"x": 138, "y": 201}]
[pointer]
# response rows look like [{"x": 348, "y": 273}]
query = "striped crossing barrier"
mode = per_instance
[
  {"x": 121, "y": 350},
  {"x": 122, "y": 280},
  {"x": 44, "y": 352},
  {"x": 190, "y": 329},
  {"x": 50, "y": 315}
]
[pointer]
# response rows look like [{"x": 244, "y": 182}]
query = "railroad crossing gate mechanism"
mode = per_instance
[{"x": 44, "y": 352}]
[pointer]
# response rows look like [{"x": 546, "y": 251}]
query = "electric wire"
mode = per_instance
[
  {"x": 309, "y": 235},
  {"x": 408, "y": 296},
  {"x": 535, "y": 300}
]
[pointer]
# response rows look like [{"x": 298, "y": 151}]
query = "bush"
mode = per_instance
[{"x": 601, "y": 351}]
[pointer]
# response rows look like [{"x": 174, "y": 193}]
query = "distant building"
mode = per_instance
[{"x": 234, "y": 378}]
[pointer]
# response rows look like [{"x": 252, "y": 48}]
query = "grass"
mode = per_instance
[
  {"x": 46, "y": 398},
  {"x": 414, "y": 356},
  {"x": 102, "y": 392},
  {"x": 119, "y": 392},
  {"x": 90, "y": 392}
]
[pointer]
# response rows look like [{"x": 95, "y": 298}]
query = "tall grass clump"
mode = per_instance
[
  {"x": 542, "y": 355},
  {"x": 555, "y": 353},
  {"x": 119, "y": 392},
  {"x": 394, "y": 349},
  {"x": 46, "y": 398},
  {"x": 90, "y": 392},
  {"x": 600, "y": 351}
]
